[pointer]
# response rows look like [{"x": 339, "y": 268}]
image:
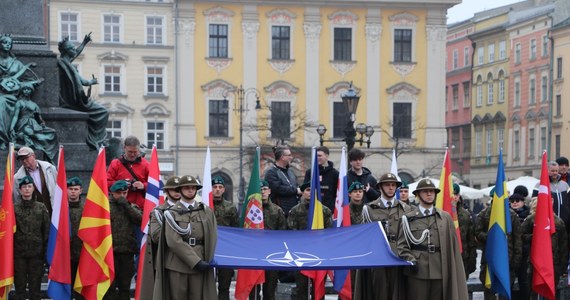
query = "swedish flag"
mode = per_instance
[{"x": 497, "y": 249}]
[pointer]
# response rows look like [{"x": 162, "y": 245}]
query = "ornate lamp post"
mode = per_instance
[{"x": 240, "y": 107}]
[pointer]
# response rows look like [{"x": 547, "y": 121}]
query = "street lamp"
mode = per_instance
[
  {"x": 240, "y": 107},
  {"x": 350, "y": 100}
]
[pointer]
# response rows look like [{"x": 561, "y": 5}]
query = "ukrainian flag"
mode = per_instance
[{"x": 497, "y": 248}]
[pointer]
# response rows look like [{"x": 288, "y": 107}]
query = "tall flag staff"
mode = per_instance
[
  {"x": 7, "y": 228},
  {"x": 207, "y": 197},
  {"x": 445, "y": 198}
]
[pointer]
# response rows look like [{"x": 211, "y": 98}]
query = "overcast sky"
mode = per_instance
[{"x": 467, "y": 8}]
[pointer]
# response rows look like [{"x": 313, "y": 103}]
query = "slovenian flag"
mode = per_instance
[{"x": 58, "y": 251}]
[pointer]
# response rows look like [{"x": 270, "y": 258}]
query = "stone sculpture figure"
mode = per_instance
[
  {"x": 13, "y": 73},
  {"x": 27, "y": 128},
  {"x": 73, "y": 96}
]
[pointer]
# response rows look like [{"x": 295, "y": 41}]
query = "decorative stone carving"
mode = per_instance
[
  {"x": 339, "y": 88},
  {"x": 403, "y": 91},
  {"x": 218, "y": 14},
  {"x": 155, "y": 109},
  {"x": 403, "y": 19},
  {"x": 281, "y": 66},
  {"x": 281, "y": 90},
  {"x": 250, "y": 29},
  {"x": 436, "y": 33},
  {"x": 219, "y": 141},
  {"x": 343, "y": 18},
  {"x": 312, "y": 30},
  {"x": 373, "y": 32},
  {"x": 186, "y": 27},
  {"x": 218, "y": 88},
  {"x": 218, "y": 63},
  {"x": 280, "y": 17},
  {"x": 343, "y": 67},
  {"x": 403, "y": 68}
]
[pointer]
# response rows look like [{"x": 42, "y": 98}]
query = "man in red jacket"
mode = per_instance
[{"x": 132, "y": 168}]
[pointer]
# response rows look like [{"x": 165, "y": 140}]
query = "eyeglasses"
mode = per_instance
[{"x": 516, "y": 200}]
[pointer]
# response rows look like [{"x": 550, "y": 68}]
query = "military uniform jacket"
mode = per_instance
[
  {"x": 75, "y": 212},
  {"x": 273, "y": 217},
  {"x": 468, "y": 242},
  {"x": 389, "y": 216},
  {"x": 226, "y": 213},
  {"x": 124, "y": 219},
  {"x": 154, "y": 224},
  {"x": 355, "y": 213},
  {"x": 32, "y": 229},
  {"x": 448, "y": 265},
  {"x": 299, "y": 216}
]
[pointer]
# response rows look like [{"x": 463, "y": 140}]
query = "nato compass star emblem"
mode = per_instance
[{"x": 293, "y": 259}]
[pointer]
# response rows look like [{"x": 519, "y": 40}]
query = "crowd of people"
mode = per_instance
[{"x": 183, "y": 230}]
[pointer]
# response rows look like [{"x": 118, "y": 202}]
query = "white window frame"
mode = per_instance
[
  {"x": 120, "y": 130},
  {"x": 122, "y": 78},
  {"x": 164, "y": 132},
  {"x": 501, "y": 98},
  {"x": 532, "y": 90},
  {"x": 502, "y": 49},
  {"x": 413, "y": 28},
  {"x": 516, "y": 144},
  {"x": 544, "y": 88},
  {"x": 532, "y": 49},
  {"x": 479, "y": 95},
  {"x": 164, "y": 80},
  {"x": 162, "y": 28},
  {"x": 121, "y": 28},
  {"x": 517, "y": 91},
  {"x": 455, "y": 59},
  {"x": 544, "y": 45},
  {"x": 480, "y": 55},
  {"x": 489, "y": 142},
  {"x": 478, "y": 141},
  {"x": 207, "y": 44},
  {"x": 466, "y": 57},
  {"x": 490, "y": 91},
  {"x": 531, "y": 142},
  {"x": 78, "y": 25},
  {"x": 518, "y": 49},
  {"x": 491, "y": 52},
  {"x": 500, "y": 137}
]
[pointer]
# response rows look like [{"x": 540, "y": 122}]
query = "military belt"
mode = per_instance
[
  {"x": 428, "y": 248},
  {"x": 193, "y": 241}
]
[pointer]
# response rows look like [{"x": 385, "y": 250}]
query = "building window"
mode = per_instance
[
  {"x": 114, "y": 129},
  {"x": 478, "y": 142},
  {"x": 559, "y": 68},
  {"x": 531, "y": 143},
  {"x": 500, "y": 137},
  {"x": 280, "y": 42},
  {"x": 502, "y": 50},
  {"x": 480, "y": 55},
  {"x": 518, "y": 53},
  {"x": 403, "y": 45},
  {"x": 343, "y": 44},
  {"x": 155, "y": 134},
  {"x": 517, "y": 145},
  {"x": 339, "y": 119},
  {"x": 466, "y": 94},
  {"x": 489, "y": 142},
  {"x": 218, "y": 41},
  {"x": 533, "y": 49},
  {"x": 491, "y": 52},
  {"x": 218, "y": 118},
  {"x": 69, "y": 26},
  {"x": 280, "y": 119},
  {"x": 479, "y": 95},
  {"x": 543, "y": 138},
  {"x": 544, "y": 89},
  {"x": 490, "y": 90},
  {"x": 455, "y": 59},
  {"x": 466, "y": 56},
  {"x": 517, "y": 94},
  {"x": 112, "y": 28},
  {"x": 532, "y": 91},
  {"x": 501, "y": 91},
  {"x": 466, "y": 141},
  {"x": 557, "y": 145},
  {"x": 155, "y": 80},
  {"x": 558, "y": 105},
  {"x": 154, "y": 30},
  {"x": 455, "y": 95},
  {"x": 112, "y": 75},
  {"x": 544, "y": 46},
  {"x": 402, "y": 119}
]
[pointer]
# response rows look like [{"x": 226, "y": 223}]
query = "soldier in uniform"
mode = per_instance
[
  {"x": 383, "y": 283},
  {"x": 30, "y": 241},
  {"x": 356, "y": 194},
  {"x": 273, "y": 219},
  {"x": 190, "y": 233},
  {"x": 514, "y": 241},
  {"x": 74, "y": 191},
  {"x": 297, "y": 220},
  {"x": 467, "y": 230},
  {"x": 124, "y": 216},
  {"x": 405, "y": 193},
  {"x": 427, "y": 239},
  {"x": 226, "y": 215}
]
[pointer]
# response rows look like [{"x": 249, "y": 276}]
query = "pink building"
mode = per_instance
[{"x": 458, "y": 96}]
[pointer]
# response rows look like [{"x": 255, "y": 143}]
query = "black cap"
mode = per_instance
[{"x": 521, "y": 190}]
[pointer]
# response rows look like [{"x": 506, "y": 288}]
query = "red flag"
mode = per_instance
[
  {"x": 7, "y": 228},
  {"x": 96, "y": 270},
  {"x": 540, "y": 250},
  {"x": 152, "y": 199},
  {"x": 445, "y": 197}
]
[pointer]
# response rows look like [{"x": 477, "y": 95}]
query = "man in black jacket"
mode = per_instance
[
  {"x": 329, "y": 177},
  {"x": 282, "y": 180},
  {"x": 358, "y": 172}
]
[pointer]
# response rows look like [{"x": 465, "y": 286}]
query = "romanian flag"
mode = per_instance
[
  {"x": 153, "y": 198},
  {"x": 445, "y": 197},
  {"x": 497, "y": 248},
  {"x": 58, "y": 251},
  {"x": 252, "y": 216},
  {"x": 96, "y": 270},
  {"x": 7, "y": 228},
  {"x": 341, "y": 278},
  {"x": 543, "y": 281},
  {"x": 316, "y": 221},
  {"x": 207, "y": 197}
]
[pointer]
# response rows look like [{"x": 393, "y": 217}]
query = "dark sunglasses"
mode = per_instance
[{"x": 516, "y": 200}]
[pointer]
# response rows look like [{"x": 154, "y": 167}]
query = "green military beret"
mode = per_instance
[
  {"x": 73, "y": 181},
  {"x": 305, "y": 185},
  {"x": 264, "y": 183},
  {"x": 404, "y": 185},
  {"x": 119, "y": 185},
  {"x": 218, "y": 180},
  {"x": 456, "y": 189},
  {"x": 356, "y": 186},
  {"x": 25, "y": 180}
]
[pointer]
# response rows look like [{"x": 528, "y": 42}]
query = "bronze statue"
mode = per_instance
[
  {"x": 73, "y": 96},
  {"x": 13, "y": 73},
  {"x": 28, "y": 128}
]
